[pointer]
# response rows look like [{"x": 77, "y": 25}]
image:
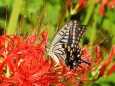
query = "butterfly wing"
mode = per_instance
[{"x": 69, "y": 34}]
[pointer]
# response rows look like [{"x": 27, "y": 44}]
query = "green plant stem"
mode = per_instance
[
  {"x": 7, "y": 71},
  {"x": 7, "y": 67},
  {"x": 12, "y": 25},
  {"x": 14, "y": 17},
  {"x": 89, "y": 13},
  {"x": 93, "y": 30}
]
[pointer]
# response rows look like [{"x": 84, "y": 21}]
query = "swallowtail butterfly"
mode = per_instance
[{"x": 66, "y": 44}]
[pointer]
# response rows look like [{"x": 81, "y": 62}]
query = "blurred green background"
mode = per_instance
[{"x": 40, "y": 15}]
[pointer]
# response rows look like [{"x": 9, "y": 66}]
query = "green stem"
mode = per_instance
[
  {"x": 7, "y": 67},
  {"x": 7, "y": 71},
  {"x": 89, "y": 13},
  {"x": 12, "y": 25},
  {"x": 93, "y": 32},
  {"x": 14, "y": 17},
  {"x": 93, "y": 29}
]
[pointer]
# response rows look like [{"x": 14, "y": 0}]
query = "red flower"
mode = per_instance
[
  {"x": 108, "y": 4},
  {"x": 24, "y": 63},
  {"x": 25, "y": 60},
  {"x": 81, "y": 4},
  {"x": 106, "y": 64},
  {"x": 111, "y": 4},
  {"x": 70, "y": 4},
  {"x": 102, "y": 6}
]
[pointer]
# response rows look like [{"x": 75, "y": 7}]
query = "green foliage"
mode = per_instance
[{"x": 106, "y": 81}]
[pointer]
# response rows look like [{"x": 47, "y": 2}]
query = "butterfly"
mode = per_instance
[{"x": 66, "y": 44}]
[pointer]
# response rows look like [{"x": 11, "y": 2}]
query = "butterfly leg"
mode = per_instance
[{"x": 83, "y": 61}]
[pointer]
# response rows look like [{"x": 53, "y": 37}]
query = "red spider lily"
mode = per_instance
[
  {"x": 81, "y": 4},
  {"x": 102, "y": 6},
  {"x": 111, "y": 4},
  {"x": 106, "y": 64},
  {"x": 106, "y": 3},
  {"x": 70, "y": 4},
  {"x": 23, "y": 58}
]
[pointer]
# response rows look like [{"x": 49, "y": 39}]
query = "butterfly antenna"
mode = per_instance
[{"x": 83, "y": 61}]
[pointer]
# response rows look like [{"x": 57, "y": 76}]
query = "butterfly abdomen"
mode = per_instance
[{"x": 73, "y": 56}]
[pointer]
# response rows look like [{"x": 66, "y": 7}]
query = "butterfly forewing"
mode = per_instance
[
  {"x": 66, "y": 43},
  {"x": 62, "y": 34}
]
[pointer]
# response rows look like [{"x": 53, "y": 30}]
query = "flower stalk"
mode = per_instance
[{"x": 11, "y": 29}]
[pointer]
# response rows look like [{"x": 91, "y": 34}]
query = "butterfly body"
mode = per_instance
[{"x": 66, "y": 44}]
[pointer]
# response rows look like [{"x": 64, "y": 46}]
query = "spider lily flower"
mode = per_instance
[
  {"x": 23, "y": 63},
  {"x": 25, "y": 59},
  {"x": 102, "y": 6},
  {"x": 107, "y": 63},
  {"x": 70, "y": 4},
  {"x": 106, "y": 3},
  {"x": 79, "y": 6}
]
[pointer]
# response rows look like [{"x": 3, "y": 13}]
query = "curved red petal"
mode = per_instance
[
  {"x": 111, "y": 70},
  {"x": 105, "y": 65}
]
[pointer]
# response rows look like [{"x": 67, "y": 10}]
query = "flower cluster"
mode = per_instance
[
  {"x": 24, "y": 62},
  {"x": 82, "y": 3},
  {"x": 106, "y": 3}
]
